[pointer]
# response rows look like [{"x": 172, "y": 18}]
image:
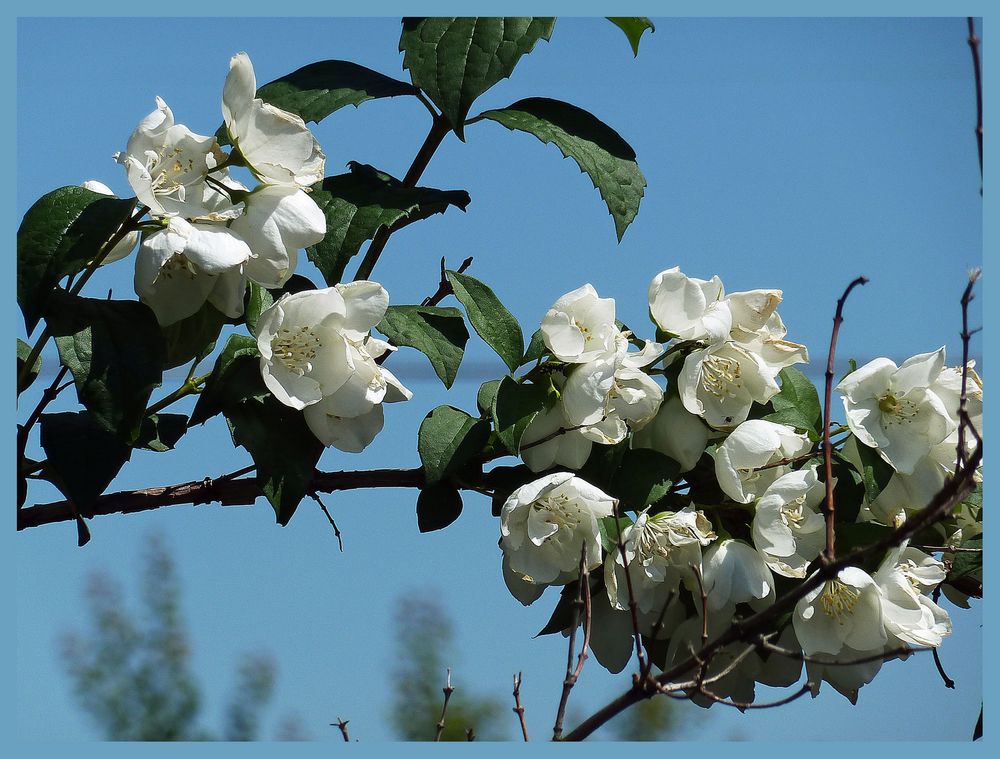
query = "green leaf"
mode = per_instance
[
  {"x": 358, "y": 203},
  {"x": 609, "y": 532},
  {"x": 562, "y": 615},
  {"x": 438, "y": 506},
  {"x": 967, "y": 562},
  {"x": 235, "y": 378},
  {"x": 23, "y": 351},
  {"x": 514, "y": 406},
  {"x": 860, "y": 534},
  {"x": 491, "y": 320},
  {"x": 116, "y": 353},
  {"x": 633, "y": 26},
  {"x": 193, "y": 337},
  {"x": 438, "y": 333},
  {"x": 602, "y": 464},
  {"x": 449, "y": 438},
  {"x": 536, "y": 348},
  {"x": 58, "y": 236},
  {"x": 258, "y": 299},
  {"x": 643, "y": 477},
  {"x": 455, "y": 60},
  {"x": 315, "y": 91},
  {"x": 848, "y": 492},
  {"x": 598, "y": 150},
  {"x": 160, "y": 432},
  {"x": 84, "y": 456},
  {"x": 875, "y": 471},
  {"x": 797, "y": 404},
  {"x": 486, "y": 395},
  {"x": 282, "y": 447}
]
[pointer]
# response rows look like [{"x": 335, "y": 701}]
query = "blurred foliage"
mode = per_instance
[{"x": 132, "y": 674}]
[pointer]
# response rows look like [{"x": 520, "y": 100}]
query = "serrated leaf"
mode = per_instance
[
  {"x": 448, "y": 438},
  {"x": 234, "y": 378},
  {"x": 514, "y": 406},
  {"x": 491, "y": 320},
  {"x": 438, "y": 333},
  {"x": 23, "y": 351},
  {"x": 84, "y": 456},
  {"x": 536, "y": 348},
  {"x": 797, "y": 404},
  {"x": 358, "y": 203},
  {"x": 643, "y": 477},
  {"x": 875, "y": 471},
  {"x": 193, "y": 337},
  {"x": 116, "y": 353},
  {"x": 315, "y": 91},
  {"x": 597, "y": 149},
  {"x": 634, "y": 27},
  {"x": 438, "y": 506},
  {"x": 161, "y": 432},
  {"x": 282, "y": 447},
  {"x": 455, "y": 60},
  {"x": 58, "y": 236}
]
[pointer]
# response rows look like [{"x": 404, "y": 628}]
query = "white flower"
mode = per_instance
[
  {"x": 124, "y": 246},
  {"x": 948, "y": 387},
  {"x": 676, "y": 432},
  {"x": 745, "y": 461},
  {"x": 547, "y": 524},
  {"x": 569, "y": 449},
  {"x": 277, "y": 222},
  {"x": 580, "y": 327},
  {"x": 894, "y": 410},
  {"x": 659, "y": 549},
  {"x": 181, "y": 266},
  {"x": 167, "y": 163},
  {"x": 911, "y": 618},
  {"x": 847, "y": 672},
  {"x": 348, "y": 433},
  {"x": 276, "y": 144},
  {"x": 845, "y": 612},
  {"x": 787, "y": 528},
  {"x": 735, "y": 573},
  {"x": 907, "y": 493},
  {"x": 720, "y": 383},
  {"x": 688, "y": 308}
]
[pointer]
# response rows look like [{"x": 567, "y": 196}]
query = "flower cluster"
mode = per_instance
[
  {"x": 745, "y": 511},
  {"x": 211, "y": 233}
]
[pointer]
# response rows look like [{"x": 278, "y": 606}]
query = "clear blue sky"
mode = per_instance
[{"x": 789, "y": 154}]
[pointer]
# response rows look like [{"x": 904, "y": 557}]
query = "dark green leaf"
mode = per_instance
[
  {"x": 610, "y": 532},
  {"x": 448, "y": 438},
  {"x": 536, "y": 348},
  {"x": 160, "y": 432},
  {"x": 875, "y": 471},
  {"x": 969, "y": 561},
  {"x": 858, "y": 535},
  {"x": 491, "y": 320},
  {"x": 193, "y": 337},
  {"x": 514, "y": 406},
  {"x": 643, "y": 477},
  {"x": 797, "y": 405},
  {"x": 438, "y": 506},
  {"x": 598, "y": 150},
  {"x": 116, "y": 352},
  {"x": 58, "y": 236},
  {"x": 602, "y": 464},
  {"x": 455, "y": 60},
  {"x": 83, "y": 456},
  {"x": 315, "y": 91},
  {"x": 358, "y": 203},
  {"x": 849, "y": 492},
  {"x": 487, "y": 393},
  {"x": 562, "y": 614},
  {"x": 235, "y": 377},
  {"x": 438, "y": 333},
  {"x": 282, "y": 446},
  {"x": 23, "y": 351},
  {"x": 633, "y": 26}
]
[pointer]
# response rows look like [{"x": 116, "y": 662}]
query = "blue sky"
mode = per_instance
[{"x": 779, "y": 153}]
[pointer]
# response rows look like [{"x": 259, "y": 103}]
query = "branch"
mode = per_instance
[
  {"x": 977, "y": 69},
  {"x": 448, "y": 690},
  {"x": 829, "y": 553},
  {"x": 572, "y": 675},
  {"x": 519, "y": 707}
]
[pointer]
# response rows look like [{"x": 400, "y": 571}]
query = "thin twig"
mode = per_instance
[
  {"x": 829, "y": 552},
  {"x": 519, "y": 707},
  {"x": 967, "y": 297},
  {"x": 743, "y": 707},
  {"x": 329, "y": 516},
  {"x": 448, "y": 690},
  {"x": 444, "y": 286},
  {"x": 582, "y": 603},
  {"x": 342, "y": 724},
  {"x": 632, "y": 606},
  {"x": 977, "y": 69}
]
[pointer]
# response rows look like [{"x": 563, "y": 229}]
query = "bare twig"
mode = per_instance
[
  {"x": 977, "y": 70},
  {"x": 342, "y": 724},
  {"x": 743, "y": 707},
  {"x": 632, "y": 606},
  {"x": 448, "y": 690},
  {"x": 967, "y": 297},
  {"x": 329, "y": 516},
  {"x": 519, "y": 707},
  {"x": 829, "y": 552},
  {"x": 444, "y": 286},
  {"x": 582, "y": 603}
]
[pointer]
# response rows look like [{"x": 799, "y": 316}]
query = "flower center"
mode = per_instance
[
  {"x": 838, "y": 600},
  {"x": 791, "y": 512},
  {"x": 295, "y": 348},
  {"x": 720, "y": 376},
  {"x": 168, "y": 169},
  {"x": 178, "y": 265},
  {"x": 559, "y": 511},
  {"x": 896, "y": 410}
]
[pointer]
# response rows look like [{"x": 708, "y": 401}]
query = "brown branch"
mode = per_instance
[
  {"x": 342, "y": 724},
  {"x": 519, "y": 707},
  {"x": 632, "y": 606},
  {"x": 444, "y": 286},
  {"x": 329, "y": 516},
  {"x": 977, "y": 70},
  {"x": 743, "y": 707},
  {"x": 448, "y": 690},
  {"x": 967, "y": 297},
  {"x": 829, "y": 552},
  {"x": 573, "y": 674},
  {"x": 799, "y": 656}
]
